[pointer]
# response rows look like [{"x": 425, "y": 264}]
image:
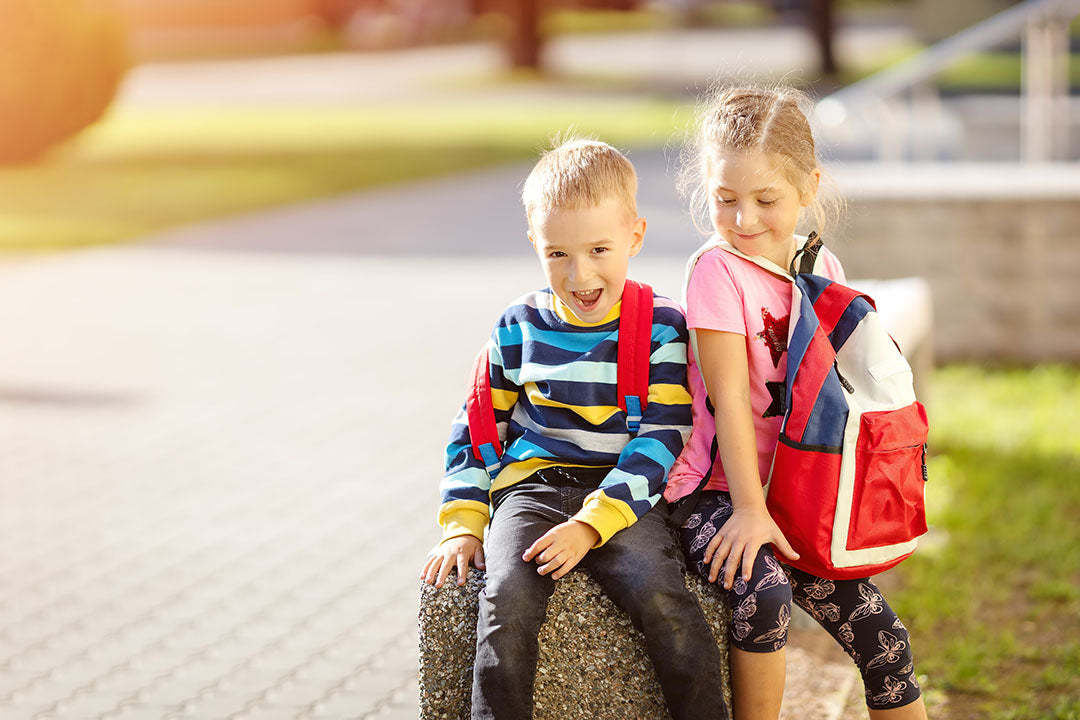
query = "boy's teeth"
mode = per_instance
[{"x": 587, "y": 296}]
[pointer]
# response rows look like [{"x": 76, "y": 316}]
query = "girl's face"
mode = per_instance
[{"x": 754, "y": 206}]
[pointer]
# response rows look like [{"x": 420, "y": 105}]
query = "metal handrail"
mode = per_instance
[{"x": 1042, "y": 23}]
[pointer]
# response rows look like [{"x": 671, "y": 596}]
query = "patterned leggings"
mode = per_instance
[{"x": 852, "y": 611}]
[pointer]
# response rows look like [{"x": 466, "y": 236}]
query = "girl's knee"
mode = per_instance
[{"x": 761, "y": 608}]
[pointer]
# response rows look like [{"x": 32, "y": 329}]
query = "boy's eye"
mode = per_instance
[
  {"x": 556, "y": 254},
  {"x": 599, "y": 250}
]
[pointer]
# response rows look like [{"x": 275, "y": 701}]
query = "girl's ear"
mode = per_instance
[{"x": 815, "y": 183}]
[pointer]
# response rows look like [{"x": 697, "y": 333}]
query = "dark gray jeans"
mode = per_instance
[{"x": 640, "y": 568}]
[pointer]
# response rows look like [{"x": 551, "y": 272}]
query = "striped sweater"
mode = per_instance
[{"x": 553, "y": 386}]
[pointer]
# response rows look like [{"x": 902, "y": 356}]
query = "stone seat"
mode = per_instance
[{"x": 592, "y": 663}]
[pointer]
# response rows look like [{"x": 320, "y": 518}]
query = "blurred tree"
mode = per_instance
[
  {"x": 824, "y": 31},
  {"x": 61, "y": 62}
]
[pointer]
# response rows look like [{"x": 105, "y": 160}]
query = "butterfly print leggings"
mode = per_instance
[{"x": 852, "y": 611}]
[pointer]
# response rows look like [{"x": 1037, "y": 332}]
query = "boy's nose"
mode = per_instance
[{"x": 579, "y": 270}]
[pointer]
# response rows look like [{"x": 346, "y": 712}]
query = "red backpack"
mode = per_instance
[
  {"x": 847, "y": 481},
  {"x": 635, "y": 340}
]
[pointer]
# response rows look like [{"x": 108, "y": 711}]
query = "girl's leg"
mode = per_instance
[
  {"x": 761, "y": 612},
  {"x": 855, "y": 613}
]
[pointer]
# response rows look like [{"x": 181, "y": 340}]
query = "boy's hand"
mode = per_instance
[
  {"x": 456, "y": 552},
  {"x": 737, "y": 544},
  {"x": 561, "y": 548}
]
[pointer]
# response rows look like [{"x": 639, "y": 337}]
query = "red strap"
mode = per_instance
[
  {"x": 479, "y": 408},
  {"x": 635, "y": 341},
  {"x": 833, "y": 301}
]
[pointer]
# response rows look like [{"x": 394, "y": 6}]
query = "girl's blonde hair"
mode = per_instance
[
  {"x": 579, "y": 173},
  {"x": 762, "y": 119}
]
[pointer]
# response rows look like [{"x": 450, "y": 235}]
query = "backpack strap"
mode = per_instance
[
  {"x": 635, "y": 340},
  {"x": 481, "y": 415},
  {"x": 632, "y": 379},
  {"x": 807, "y": 255}
]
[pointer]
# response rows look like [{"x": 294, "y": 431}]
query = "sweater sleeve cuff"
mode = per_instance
[
  {"x": 463, "y": 521},
  {"x": 604, "y": 517}
]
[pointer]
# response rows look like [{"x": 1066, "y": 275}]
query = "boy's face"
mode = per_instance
[{"x": 585, "y": 254}]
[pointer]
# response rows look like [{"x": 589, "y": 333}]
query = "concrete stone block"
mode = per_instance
[{"x": 592, "y": 664}]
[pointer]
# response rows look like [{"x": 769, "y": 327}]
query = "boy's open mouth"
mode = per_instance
[{"x": 587, "y": 299}]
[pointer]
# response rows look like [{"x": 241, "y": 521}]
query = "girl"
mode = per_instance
[{"x": 754, "y": 170}]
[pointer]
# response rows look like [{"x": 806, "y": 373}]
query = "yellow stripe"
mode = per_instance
[
  {"x": 463, "y": 517},
  {"x": 666, "y": 394},
  {"x": 503, "y": 399},
  {"x": 594, "y": 414},
  {"x": 515, "y": 473}
]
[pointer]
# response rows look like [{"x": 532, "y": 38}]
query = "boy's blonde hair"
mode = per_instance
[
  {"x": 579, "y": 173},
  {"x": 768, "y": 120}
]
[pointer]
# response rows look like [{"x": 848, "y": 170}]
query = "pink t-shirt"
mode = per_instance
[{"x": 731, "y": 294}]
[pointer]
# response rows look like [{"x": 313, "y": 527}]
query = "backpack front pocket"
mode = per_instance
[{"x": 888, "y": 501}]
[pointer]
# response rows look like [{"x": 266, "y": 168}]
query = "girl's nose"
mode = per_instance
[{"x": 745, "y": 217}]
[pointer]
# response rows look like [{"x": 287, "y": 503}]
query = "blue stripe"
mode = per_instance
[
  {"x": 650, "y": 448},
  {"x": 827, "y": 420},
  {"x": 578, "y": 342},
  {"x": 851, "y": 318}
]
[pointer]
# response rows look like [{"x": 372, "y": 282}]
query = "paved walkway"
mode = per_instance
[{"x": 221, "y": 450}]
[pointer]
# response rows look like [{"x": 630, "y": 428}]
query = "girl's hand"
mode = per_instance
[
  {"x": 456, "y": 552},
  {"x": 737, "y": 544}
]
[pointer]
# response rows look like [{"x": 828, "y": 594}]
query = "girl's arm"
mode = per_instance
[{"x": 724, "y": 368}]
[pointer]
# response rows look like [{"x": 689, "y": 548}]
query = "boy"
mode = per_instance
[{"x": 573, "y": 486}]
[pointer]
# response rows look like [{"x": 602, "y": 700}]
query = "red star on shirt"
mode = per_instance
[{"x": 774, "y": 334}]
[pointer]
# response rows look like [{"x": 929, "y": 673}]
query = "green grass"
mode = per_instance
[
  {"x": 994, "y": 607},
  {"x": 143, "y": 171}
]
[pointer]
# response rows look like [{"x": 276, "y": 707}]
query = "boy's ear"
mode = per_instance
[{"x": 637, "y": 236}]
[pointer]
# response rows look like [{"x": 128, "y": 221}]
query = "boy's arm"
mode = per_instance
[
  {"x": 466, "y": 485},
  {"x": 636, "y": 483}
]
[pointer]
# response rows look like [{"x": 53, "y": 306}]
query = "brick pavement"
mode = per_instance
[{"x": 218, "y": 484}]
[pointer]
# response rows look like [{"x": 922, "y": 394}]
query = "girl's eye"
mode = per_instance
[
  {"x": 722, "y": 201},
  {"x": 766, "y": 203}
]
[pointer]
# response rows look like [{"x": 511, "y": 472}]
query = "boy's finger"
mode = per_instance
[
  {"x": 478, "y": 558},
  {"x": 552, "y": 564},
  {"x": 462, "y": 568},
  {"x": 565, "y": 568},
  {"x": 444, "y": 571},
  {"x": 541, "y": 544}
]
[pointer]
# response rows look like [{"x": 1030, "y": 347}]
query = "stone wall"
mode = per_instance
[
  {"x": 592, "y": 664},
  {"x": 999, "y": 245}
]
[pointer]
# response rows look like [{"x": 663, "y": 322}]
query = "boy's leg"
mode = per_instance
[
  {"x": 641, "y": 569},
  {"x": 513, "y": 602},
  {"x": 855, "y": 613}
]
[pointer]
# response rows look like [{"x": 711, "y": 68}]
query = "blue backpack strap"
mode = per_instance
[{"x": 635, "y": 341}]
